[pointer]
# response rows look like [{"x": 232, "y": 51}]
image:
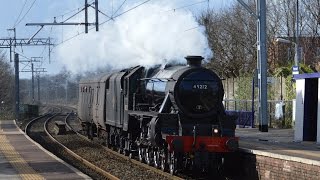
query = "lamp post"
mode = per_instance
[
  {"x": 296, "y": 43},
  {"x": 296, "y": 51}
]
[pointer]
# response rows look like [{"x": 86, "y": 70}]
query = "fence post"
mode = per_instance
[
  {"x": 252, "y": 104},
  {"x": 246, "y": 105},
  {"x": 235, "y": 105},
  {"x": 270, "y": 119}
]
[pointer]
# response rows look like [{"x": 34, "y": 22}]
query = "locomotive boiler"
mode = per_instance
[{"x": 170, "y": 116}]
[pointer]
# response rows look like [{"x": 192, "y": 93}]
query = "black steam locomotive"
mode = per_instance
[{"x": 170, "y": 116}]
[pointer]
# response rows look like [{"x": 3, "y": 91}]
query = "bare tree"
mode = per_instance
[
  {"x": 282, "y": 23},
  {"x": 6, "y": 87},
  {"x": 232, "y": 37}
]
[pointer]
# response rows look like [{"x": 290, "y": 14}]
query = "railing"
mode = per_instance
[
  {"x": 248, "y": 112},
  {"x": 244, "y": 118}
]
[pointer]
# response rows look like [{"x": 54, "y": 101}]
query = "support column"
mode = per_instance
[
  {"x": 97, "y": 14},
  {"x": 263, "y": 67},
  {"x": 32, "y": 83},
  {"x": 17, "y": 98},
  {"x": 86, "y": 16},
  {"x": 318, "y": 114},
  {"x": 38, "y": 80}
]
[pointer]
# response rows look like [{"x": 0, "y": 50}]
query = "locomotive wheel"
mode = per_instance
[
  {"x": 125, "y": 152},
  {"x": 172, "y": 163},
  {"x": 141, "y": 154},
  {"x": 119, "y": 150},
  {"x": 156, "y": 159},
  {"x": 90, "y": 133},
  {"x": 148, "y": 156},
  {"x": 107, "y": 140},
  {"x": 163, "y": 160},
  {"x": 188, "y": 164}
]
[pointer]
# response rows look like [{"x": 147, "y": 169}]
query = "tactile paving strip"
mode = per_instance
[{"x": 25, "y": 171}]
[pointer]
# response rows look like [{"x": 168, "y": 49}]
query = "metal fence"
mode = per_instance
[{"x": 244, "y": 109}]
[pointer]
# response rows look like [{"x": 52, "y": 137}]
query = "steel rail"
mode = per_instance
[
  {"x": 158, "y": 171},
  {"x": 40, "y": 117},
  {"x": 79, "y": 158}
]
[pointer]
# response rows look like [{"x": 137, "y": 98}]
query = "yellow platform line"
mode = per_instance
[{"x": 14, "y": 158}]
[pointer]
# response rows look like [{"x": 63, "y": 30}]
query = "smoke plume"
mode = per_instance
[{"x": 147, "y": 35}]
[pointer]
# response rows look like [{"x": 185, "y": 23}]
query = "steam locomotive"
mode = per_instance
[{"x": 171, "y": 117}]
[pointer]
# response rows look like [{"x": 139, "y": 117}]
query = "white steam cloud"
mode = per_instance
[{"x": 143, "y": 36}]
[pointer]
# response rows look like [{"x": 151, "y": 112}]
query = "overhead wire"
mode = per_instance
[
  {"x": 26, "y": 13},
  {"x": 22, "y": 55},
  {"x": 73, "y": 15},
  {"x": 119, "y": 8},
  {"x": 25, "y": 2},
  {"x": 73, "y": 10},
  {"x": 111, "y": 18},
  {"x": 191, "y": 28},
  {"x": 101, "y": 12},
  {"x": 72, "y": 37},
  {"x": 46, "y": 44},
  {"x": 112, "y": 8},
  {"x": 131, "y": 8},
  {"x": 89, "y": 4},
  {"x": 189, "y": 5},
  {"x": 26, "y": 64},
  {"x": 102, "y": 23},
  {"x": 17, "y": 22},
  {"x": 181, "y": 7}
]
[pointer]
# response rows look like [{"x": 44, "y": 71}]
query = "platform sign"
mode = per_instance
[
  {"x": 295, "y": 70},
  {"x": 271, "y": 80}
]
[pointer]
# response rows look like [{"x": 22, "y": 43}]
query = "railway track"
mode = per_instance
[
  {"x": 89, "y": 157},
  {"x": 73, "y": 124},
  {"x": 37, "y": 129}
]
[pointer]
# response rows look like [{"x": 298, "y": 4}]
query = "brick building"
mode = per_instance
[{"x": 280, "y": 53}]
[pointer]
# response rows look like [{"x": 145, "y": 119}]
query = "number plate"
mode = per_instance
[{"x": 200, "y": 86}]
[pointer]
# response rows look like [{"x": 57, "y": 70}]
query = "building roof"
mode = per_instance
[{"x": 307, "y": 75}]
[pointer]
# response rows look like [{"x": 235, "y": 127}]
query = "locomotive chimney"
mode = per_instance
[{"x": 194, "y": 60}]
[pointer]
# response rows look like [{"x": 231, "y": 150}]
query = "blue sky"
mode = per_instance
[{"x": 46, "y": 10}]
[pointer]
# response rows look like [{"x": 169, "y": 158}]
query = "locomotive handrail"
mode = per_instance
[{"x": 159, "y": 79}]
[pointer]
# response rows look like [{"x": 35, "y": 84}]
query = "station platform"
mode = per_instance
[
  {"x": 22, "y": 158},
  {"x": 278, "y": 143}
]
